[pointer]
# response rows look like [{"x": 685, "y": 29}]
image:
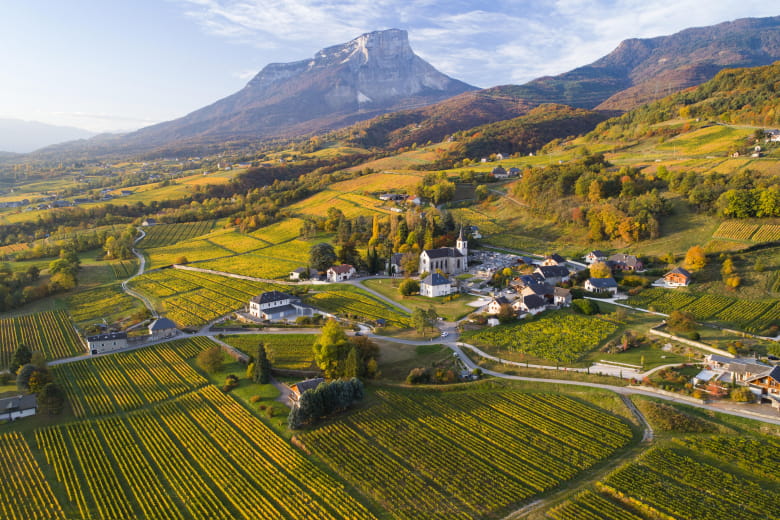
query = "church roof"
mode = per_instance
[{"x": 443, "y": 252}]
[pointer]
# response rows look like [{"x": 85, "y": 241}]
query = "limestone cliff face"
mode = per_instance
[{"x": 375, "y": 73}]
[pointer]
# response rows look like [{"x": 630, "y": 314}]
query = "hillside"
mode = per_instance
[{"x": 642, "y": 70}]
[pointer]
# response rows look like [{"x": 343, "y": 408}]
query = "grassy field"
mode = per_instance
[
  {"x": 350, "y": 302},
  {"x": 285, "y": 351},
  {"x": 449, "y": 310}
]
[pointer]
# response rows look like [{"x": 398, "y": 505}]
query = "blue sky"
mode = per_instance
[{"x": 110, "y": 65}]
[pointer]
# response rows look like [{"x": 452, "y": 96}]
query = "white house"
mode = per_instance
[
  {"x": 162, "y": 328},
  {"x": 561, "y": 297},
  {"x": 435, "y": 285},
  {"x": 12, "y": 408},
  {"x": 531, "y": 303},
  {"x": 553, "y": 274},
  {"x": 102, "y": 343},
  {"x": 276, "y": 305},
  {"x": 339, "y": 273},
  {"x": 149, "y": 222},
  {"x": 596, "y": 256},
  {"x": 601, "y": 285},
  {"x": 448, "y": 260},
  {"x": 495, "y": 305},
  {"x": 554, "y": 259}
]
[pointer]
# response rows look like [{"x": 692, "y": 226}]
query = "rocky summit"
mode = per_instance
[{"x": 375, "y": 73}]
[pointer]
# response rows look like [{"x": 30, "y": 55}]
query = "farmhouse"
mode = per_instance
[
  {"x": 595, "y": 256},
  {"x": 276, "y": 305},
  {"x": 495, "y": 305},
  {"x": 677, "y": 277},
  {"x": 500, "y": 173},
  {"x": 554, "y": 259},
  {"x": 553, "y": 274},
  {"x": 435, "y": 285},
  {"x": 767, "y": 386},
  {"x": 448, "y": 260},
  {"x": 531, "y": 303},
  {"x": 102, "y": 343},
  {"x": 162, "y": 328},
  {"x": 601, "y": 285},
  {"x": 561, "y": 297},
  {"x": 624, "y": 262},
  {"x": 12, "y": 408},
  {"x": 339, "y": 273},
  {"x": 299, "y": 388},
  {"x": 149, "y": 222}
]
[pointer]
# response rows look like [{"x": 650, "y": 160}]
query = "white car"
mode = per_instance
[{"x": 444, "y": 334}]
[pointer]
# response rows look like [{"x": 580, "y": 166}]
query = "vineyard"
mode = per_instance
[
  {"x": 559, "y": 336},
  {"x": 200, "y": 456},
  {"x": 105, "y": 302},
  {"x": 464, "y": 454},
  {"x": 666, "y": 483},
  {"x": 286, "y": 351},
  {"x": 751, "y": 316},
  {"x": 28, "y": 495},
  {"x": 192, "y": 298},
  {"x": 49, "y": 332},
  {"x": 738, "y": 230},
  {"x": 352, "y": 303},
  {"x": 259, "y": 264},
  {"x": 130, "y": 380},
  {"x": 167, "y": 234}
]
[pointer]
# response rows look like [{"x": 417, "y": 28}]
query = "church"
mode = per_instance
[{"x": 448, "y": 260}]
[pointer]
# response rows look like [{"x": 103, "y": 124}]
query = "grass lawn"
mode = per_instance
[
  {"x": 397, "y": 360},
  {"x": 271, "y": 411},
  {"x": 449, "y": 310}
]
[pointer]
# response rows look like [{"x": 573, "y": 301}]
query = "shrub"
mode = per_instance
[
  {"x": 587, "y": 307},
  {"x": 231, "y": 382}
]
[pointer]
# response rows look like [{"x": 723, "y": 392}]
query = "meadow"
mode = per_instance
[{"x": 285, "y": 351}]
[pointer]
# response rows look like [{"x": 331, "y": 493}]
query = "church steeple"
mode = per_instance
[{"x": 461, "y": 244}]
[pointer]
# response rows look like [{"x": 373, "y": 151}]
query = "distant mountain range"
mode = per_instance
[
  {"x": 378, "y": 73},
  {"x": 17, "y": 136}
]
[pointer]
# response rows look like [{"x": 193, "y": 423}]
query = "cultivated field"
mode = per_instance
[
  {"x": 463, "y": 454},
  {"x": 555, "y": 337},
  {"x": 352, "y": 303},
  {"x": 192, "y": 299},
  {"x": 168, "y": 234},
  {"x": 49, "y": 332}
]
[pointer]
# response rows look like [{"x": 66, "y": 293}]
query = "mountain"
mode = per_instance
[
  {"x": 19, "y": 136},
  {"x": 375, "y": 73},
  {"x": 643, "y": 70}
]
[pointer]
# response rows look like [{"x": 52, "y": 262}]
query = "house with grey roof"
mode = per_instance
[
  {"x": 162, "y": 328},
  {"x": 601, "y": 285},
  {"x": 435, "y": 285},
  {"x": 12, "y": 408}
]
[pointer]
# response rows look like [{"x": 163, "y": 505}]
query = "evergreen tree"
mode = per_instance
[
  {"x": 22, "y": 356},
  {"x": 351, "y": 364},
  {"x": 262, "y": 369}
]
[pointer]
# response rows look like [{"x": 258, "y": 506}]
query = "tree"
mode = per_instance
[
  {"x": 367, "y": 353},
  {"x": 409, "y": 263},
  {"x": 22, "y": 356},
  {"x": 600, "y": 270},
  {"x": 409, "y": 287},
  {"x": 262, "y": 371},
  {"x": 322, "y": 256},
  {"x": 419, "y": 320},
  {"x": 506, "y": 313},
  {"x": 182, "y": 260},
  {"x": 695, "y": 259},
  {"x": 727, "y": 268},
  {"x": 351, "y": 364},
  {"x": 51, "y": 399},
  {"x": 681, "y": 321},
  {"x": 733, "y": 281},
  {"x": 331, "y": 349},
  {"x": 31, "y": 378},
  {"x": 210, "y": 360}
]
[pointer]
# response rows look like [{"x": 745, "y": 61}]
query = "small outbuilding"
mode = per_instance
[{"x": 162, "y": 328}]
